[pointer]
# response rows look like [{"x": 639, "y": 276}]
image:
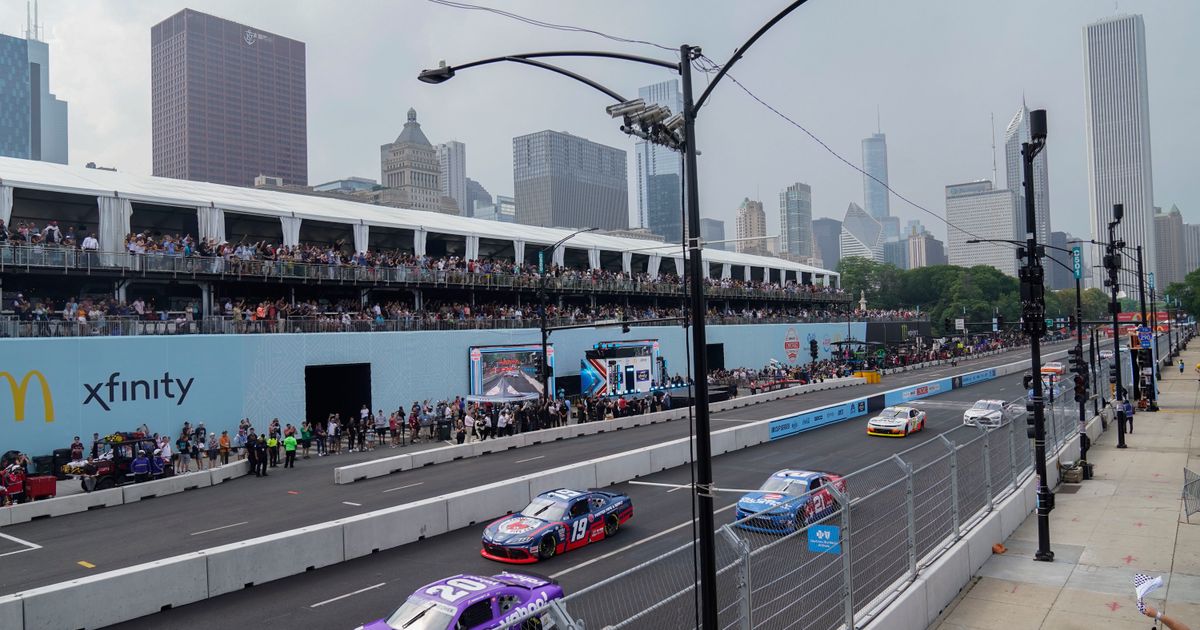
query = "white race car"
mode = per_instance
[
  {"x": 985, "y": 413},
  {"x": 896, "y": 421}
]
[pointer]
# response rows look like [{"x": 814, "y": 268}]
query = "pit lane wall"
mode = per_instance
[
  {"x": 126, "y": 594},
  {"x": 59, "y": 388}
]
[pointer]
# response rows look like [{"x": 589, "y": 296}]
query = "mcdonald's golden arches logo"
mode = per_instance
[{"x": 20, "y": 389}]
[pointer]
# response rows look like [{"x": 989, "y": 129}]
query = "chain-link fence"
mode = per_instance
[
  {"x": 1191, "y": 493},
  {"x": 806, "y": 561}
]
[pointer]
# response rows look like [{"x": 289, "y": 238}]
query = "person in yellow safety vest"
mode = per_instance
[{"x": 273, "y": 449}]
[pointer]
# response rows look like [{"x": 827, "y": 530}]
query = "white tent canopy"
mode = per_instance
[{"x": 292, "y": 209}]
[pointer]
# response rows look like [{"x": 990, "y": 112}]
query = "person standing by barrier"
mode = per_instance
[
  {"x": 252, "y": 453},
  {"x": 213, "y": 449},
  {"x": 260, "y": 453},
  {"x": 289, "y": 451},
  {"x": 272, "y": 442},
  {"x": 318, "y": 432},
  {"x": 224, "y": 446},
  {"x": 140, "y": 467},
  {"x": 305, "y": 437},
  {"x": 157, "y": 465}
]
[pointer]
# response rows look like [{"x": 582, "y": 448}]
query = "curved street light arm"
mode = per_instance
[{"x": 741, "y": 50}]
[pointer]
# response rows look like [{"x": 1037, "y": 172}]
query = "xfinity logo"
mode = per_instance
[{"x": 106, "y": 393}]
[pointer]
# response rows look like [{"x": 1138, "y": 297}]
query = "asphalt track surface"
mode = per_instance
[{"x": 354, "y": 592}]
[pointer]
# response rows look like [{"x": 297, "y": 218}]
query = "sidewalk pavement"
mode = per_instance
[{"x": 1128, "y": 519}]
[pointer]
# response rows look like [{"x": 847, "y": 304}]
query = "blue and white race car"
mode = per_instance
[
  {"x": 556, "y": 522},
  {"x": 788, "y": 501}
]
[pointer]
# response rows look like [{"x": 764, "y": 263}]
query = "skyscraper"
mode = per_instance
[
  {"x": 410, "y": 166},
  {"x": 827, "y": 234},
  {"x": 895, "y": 253},
  {"x": 1117, "y": 112},
  {"x": 228, "y": 102},
  {"x": 452, "y": 171},
  {"x": 751, "y": 223},
  {"x": 33, "y": 122},
  {"x": 1016, "y": 133},
  {"x": 1191, "y": 247},
  {"x": 476, "y": 194},
  {"x": 924, "y": 250},
  {"x": 1169, "y": 248},
  {"x": 659, "y": 168},
  {"x": 1057, "y": 277},
  {"x": 795, "y": 222},
  {"x": 563, "y": 180},
  {"x": 711, "y": 231},
  {"x": 861, "y": 235},
  {"x": 875, "y": 194},
  {"x": 983, "y": 212}
]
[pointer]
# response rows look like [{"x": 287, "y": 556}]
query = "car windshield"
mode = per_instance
[
  {"x": 988, "y": 406},
  {"x": 892, "y": 412},
  {"x": 785, "y": 486},
  {"x": 421, "y": 614},
  {"x": 544, "y": 509}
]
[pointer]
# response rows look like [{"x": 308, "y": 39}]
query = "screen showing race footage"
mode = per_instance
[{"x": 505, "y": 373}]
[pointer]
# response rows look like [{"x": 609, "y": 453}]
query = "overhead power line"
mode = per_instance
[{"x": 550, "y": 25}]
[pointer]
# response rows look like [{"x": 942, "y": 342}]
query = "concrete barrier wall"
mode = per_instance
[
  {"x": 171, "y": 485},
  {"x": 482, "y": 504},
  {"x": 368, "y": 533},
  {"x": 622, "y": 467},
  {"x": 61, "y": 506},
  {"x": 12, "y": 612},
  {"x": 115, "y": 596},
  {"x": 74, "y": 503},
  {"x": 399, "y": 463},
  {"x": 237, "y": 565}
]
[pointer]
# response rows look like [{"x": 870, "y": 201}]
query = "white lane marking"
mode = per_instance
[
  {"x": 205, "y": 531},
  {"x": 352, "y": 503},
  {"x": 411, "y": 485},
  {"x": 632, "y": 545},
  {"x": 28, "y": 545},
  {"x": 522, "y": 461},
  {"x": 682, "y": 486},
  {"x": 340, "y": 597}
]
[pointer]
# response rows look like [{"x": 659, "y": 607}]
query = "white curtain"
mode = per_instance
[
  {"x": 115, "y": 214},
  {"x": 472, "y": 248},
  {"x": 594, "y": 258},
  {"x": 726, "y": 271},
  {"x": 627, "y": 262},
  {"x": 212, "y": 223},
  {"x": 519, "y": 251},
  {"x": 746, "y": 273},
  {"x": 6, "y": 204},
  {"x": 560, "y": 254},
  {"x": 419, "y": 236},
  {"x": 653, "y": 265},
  {"x": 679, "y": 266},
  {"x": 291, "y": 231},
  {"x": 362, "y": 237}
]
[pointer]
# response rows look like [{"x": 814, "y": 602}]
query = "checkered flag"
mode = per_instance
[{"x": 1144, "y": 585}]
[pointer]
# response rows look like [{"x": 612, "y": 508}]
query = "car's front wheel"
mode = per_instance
[{"x": 547, "y": 547}]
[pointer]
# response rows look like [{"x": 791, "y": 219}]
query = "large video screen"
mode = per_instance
[
  {"x": 615, "y": 368},
  {"x": 507, "y": 373}
]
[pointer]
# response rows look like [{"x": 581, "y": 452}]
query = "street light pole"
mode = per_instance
[
  {"x": 1152, "y": 405},
  {"x": 1034, "y": 311},
  {"x": 1113, "y": 263}
]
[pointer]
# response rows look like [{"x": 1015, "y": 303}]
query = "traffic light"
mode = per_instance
[
  {"x": 812, "y": 348},
  {"x": 1112, "y": 373},
  {"x": 946, "y": 324},
  {"x": 1081, "y": 390},
  {"x": 999, "y": 322},
  {"x": 1027, "y": 382},
  {"x": 1072, "y": 323},
  {"x": 1031, "y": 418}
]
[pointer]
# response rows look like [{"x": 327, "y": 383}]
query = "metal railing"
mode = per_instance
[
  {"x": 177, "y": 323},
  {"x": 1191, "y": 493},
  {"x": 68, "y": 259},
  {"x": 844, "y": 553}
]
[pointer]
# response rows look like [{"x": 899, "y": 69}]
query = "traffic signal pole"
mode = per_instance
[
  {"x": 1112, "y": 262},
  {"x": 1034, "y": 310}
]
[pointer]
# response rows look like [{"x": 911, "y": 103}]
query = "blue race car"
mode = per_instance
[
  {"x": 556, "y": 522},
  {"x": 788, "y": 501}
]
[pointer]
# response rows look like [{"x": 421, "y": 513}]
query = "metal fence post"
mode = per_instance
[
  {"x": 909, "y": 513},
  {"x": 1012, "y": 452},
  {"x": 744, "y": 584},
  {"x": 843, "y": 499},
  {"x": 953, "y": 485},
  {"x": 557, "y": 611},
  {"x": 987, "y": 468}
]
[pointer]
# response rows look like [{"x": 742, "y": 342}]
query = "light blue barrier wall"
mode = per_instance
[{"x": 106, "y": 384}]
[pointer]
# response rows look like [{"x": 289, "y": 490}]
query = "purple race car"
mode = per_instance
[{"x": 473, "y": 602}]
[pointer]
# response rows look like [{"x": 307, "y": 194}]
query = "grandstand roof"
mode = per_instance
[{"x": 46, "y": 176}]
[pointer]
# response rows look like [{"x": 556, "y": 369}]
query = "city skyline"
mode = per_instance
[{"x": 930, "y": 146}]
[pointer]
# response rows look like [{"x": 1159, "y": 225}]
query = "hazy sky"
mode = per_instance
[{"x": 935, "y": 70}]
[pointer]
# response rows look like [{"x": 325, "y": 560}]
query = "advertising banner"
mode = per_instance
[
  {"x": 783, "y": 427},
  {"x": 916, "y": 392}
]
